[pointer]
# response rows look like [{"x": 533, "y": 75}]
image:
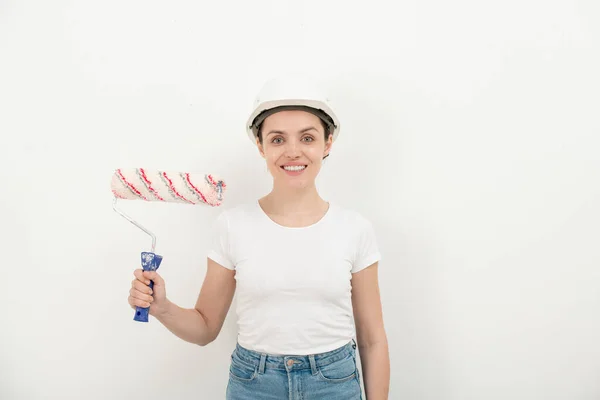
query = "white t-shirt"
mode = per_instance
[{"x": 293, "y": 284}]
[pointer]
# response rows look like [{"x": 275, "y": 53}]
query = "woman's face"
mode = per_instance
[{"x": 293, "y": 147}]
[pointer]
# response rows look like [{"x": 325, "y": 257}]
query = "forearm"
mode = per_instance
[
  {"x": 375, "y": 362},
  {"x": 187, "y": 324}
]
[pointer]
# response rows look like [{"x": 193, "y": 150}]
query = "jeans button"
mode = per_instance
[{"x": 290, "y": 363}]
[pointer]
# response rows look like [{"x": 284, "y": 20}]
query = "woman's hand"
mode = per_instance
[{"x": 140, "y": 294}]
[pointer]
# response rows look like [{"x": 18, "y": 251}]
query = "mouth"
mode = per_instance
[{"x": 294, "y": 169}]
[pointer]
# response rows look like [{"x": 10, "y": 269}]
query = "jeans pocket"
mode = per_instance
[
  {"x": 338, "y": 371},
  {"x": 242, "y": 371}
]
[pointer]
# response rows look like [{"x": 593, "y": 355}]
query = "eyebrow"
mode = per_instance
[{"x": 310, "y": 128}]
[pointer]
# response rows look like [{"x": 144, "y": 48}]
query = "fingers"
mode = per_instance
[
  {"x": 135, "y": 302},
  {"x": 146, "y": 276},
  {"x": 136, "y": 294},
  {"x": 140, "y": 288},
  {"x": 154, "y": 276},
  {"x": 139, "y": 275},
  {"x": 140, "y": 294}
]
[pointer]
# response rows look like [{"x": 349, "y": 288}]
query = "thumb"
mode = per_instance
[{"x": 154, "y": 276}]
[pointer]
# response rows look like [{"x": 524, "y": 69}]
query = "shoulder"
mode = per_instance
[
  {"x": 352, "y": 222},
  {"x": 350, "y": 216},
  {"x": 239, "y": 213}
]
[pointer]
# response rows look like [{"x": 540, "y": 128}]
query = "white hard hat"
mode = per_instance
[{"x": 291, "y": 93}]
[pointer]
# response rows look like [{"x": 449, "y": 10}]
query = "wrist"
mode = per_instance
[{"x": 164, "y": 310}]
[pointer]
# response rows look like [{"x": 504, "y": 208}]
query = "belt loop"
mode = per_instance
[
  {"x": 261, "y": 366},
  {"x": 313, "y": 364}
]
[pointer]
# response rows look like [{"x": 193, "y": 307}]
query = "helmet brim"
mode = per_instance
[{"x": 268, "y": 105}]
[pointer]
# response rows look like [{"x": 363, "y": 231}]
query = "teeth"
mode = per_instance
[{"x": 294, "y": 168}]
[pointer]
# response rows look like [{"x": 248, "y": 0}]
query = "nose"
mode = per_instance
[{"x": 292, "y": 149}]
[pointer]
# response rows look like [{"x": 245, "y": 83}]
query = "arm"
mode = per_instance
[
  {"x": 201, "y": 325},
  {"x": 370, "y": 333}
]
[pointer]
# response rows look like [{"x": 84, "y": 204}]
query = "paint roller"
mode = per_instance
[{"x": 162, "y": 186}]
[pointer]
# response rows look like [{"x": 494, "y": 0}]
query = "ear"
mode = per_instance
[{"x": 328, "y": 145}]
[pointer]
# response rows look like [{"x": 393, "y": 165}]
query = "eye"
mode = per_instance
[
  {"x": 275, "y": 140},
  {"x": 308, "y": 137}
]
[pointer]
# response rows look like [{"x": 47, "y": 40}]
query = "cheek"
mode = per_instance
[
  {"x": 269, "y": 154},
  {"x": 272, "y": 160},
  {"x": 315, "y": 154}
]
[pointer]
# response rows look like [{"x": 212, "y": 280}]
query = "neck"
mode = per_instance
[{"x": 285, "y": 201}]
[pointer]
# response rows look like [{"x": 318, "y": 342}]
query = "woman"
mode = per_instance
[{"x": 305, "y": 270}]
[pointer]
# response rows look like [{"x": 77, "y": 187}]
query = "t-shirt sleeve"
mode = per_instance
[
  {"x": 367, "y": 250},
  {"x": 219, "y": 250}
]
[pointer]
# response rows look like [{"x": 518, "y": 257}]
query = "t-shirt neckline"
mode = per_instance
[{"x": 271, "y": 221}]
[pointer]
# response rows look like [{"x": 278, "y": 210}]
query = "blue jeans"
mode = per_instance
[{"x": 331, "y": 376}]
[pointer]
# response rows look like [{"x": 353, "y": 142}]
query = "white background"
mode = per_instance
[{"x": 469, "y": 138}]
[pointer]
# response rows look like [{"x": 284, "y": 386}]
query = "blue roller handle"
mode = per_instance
[{"x": 150, "y": 262}]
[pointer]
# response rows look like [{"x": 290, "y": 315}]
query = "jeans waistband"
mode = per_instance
[{"x": 313, "y": 361}]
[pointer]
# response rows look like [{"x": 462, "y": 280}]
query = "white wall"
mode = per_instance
[{"x": 469, "y": 137}]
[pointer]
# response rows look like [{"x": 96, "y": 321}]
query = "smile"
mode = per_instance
[{"x": 294, "y": 167}]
